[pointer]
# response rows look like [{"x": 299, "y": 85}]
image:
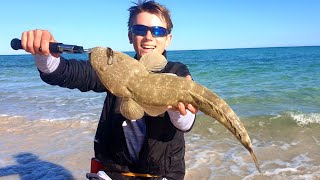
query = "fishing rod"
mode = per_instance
[{"x": 54, "y": 47}]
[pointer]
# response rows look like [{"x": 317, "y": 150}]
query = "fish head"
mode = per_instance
[
  {"x": 114, "y": 69},
  {"x": 101, "y": 58}
]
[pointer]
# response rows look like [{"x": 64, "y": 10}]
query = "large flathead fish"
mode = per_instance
[{"x": 145, "y": 92}]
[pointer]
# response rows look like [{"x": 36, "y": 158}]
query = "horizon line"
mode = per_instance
[{"x": 262, "y": 47}]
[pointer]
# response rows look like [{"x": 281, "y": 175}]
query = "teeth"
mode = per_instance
[{"x": 148, "y": 47}]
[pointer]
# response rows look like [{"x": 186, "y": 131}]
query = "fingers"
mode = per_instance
[
  {"x": 45, "y": 40},
  {"x": 37, "y": 41},
  {"x": 24, "y": 40},
  {"x": 192, "y": 109},
  {"x": 182, "y": 109},
  {"x": 173, "y": 108},
  {"x": 46, "y": 37},
  {"x": 27, "y": 39},
  {"x": 189, "y": 77}
]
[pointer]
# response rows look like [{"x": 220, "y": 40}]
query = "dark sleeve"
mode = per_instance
[
  {"x": 74, "y": 74},
  {"x": 182, "y": 70},
  {"x": 177, "y": 68}
]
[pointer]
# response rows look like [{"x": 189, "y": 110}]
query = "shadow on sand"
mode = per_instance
[{"x": 30, "y": 167}]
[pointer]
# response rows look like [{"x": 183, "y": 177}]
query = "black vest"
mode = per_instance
[{"x": 163, "y": 150}]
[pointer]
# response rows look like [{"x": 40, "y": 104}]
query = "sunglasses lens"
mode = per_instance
[
  {"x": 142, "y": 30},
  {"x": 158, "y": 31}
]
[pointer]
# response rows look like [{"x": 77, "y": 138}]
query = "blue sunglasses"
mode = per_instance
[{"x": 156, "y": 31}]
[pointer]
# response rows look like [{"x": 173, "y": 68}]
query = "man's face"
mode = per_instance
[{"x": 148, "y": 43}]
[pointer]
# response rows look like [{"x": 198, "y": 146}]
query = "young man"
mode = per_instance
[{"x": 148, "y": 147}]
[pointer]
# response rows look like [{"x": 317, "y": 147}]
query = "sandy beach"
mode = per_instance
[{"x": 51, "y": 141}]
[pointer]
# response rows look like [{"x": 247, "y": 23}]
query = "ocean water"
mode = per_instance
[{"x": 48, "y": 130}]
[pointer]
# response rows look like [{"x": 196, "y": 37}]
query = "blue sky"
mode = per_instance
[{"x": 202, "y": 24}]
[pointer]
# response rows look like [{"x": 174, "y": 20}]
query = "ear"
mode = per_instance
[
  {"x": 168, "y": 40},
  {"x": 130, "y": 37}
]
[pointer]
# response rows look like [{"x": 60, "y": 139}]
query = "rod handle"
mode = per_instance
[{"x": 53, "y": 47}]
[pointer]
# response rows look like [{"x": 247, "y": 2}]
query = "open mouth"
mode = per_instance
[{"x": 148, "y": 47}]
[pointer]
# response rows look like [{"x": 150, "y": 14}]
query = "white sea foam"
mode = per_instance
[
  {"x": 303, "y": 119},
  {"x": 298, "y": 168}
]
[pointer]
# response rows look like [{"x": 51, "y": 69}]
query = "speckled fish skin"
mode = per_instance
[{"x": 128, "y": 78}]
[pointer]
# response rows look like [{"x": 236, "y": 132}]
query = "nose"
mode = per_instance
[{"x": 149, "y": 35}]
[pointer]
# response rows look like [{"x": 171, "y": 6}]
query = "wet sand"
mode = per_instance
[{"x": 67, "y": 143}]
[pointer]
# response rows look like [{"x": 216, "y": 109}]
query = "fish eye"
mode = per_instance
[{"x": 110, "y": 56}]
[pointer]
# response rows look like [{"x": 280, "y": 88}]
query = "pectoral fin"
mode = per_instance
[
  {"x": 131, "y": 109},
  {"x": 154, "y": 110},
  {"x": 153, "y": 61}
]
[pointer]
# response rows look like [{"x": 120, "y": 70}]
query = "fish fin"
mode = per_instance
[
  {"x": 198, "y": 99},
  {"x": 131, "y": 109},
  {"x": 206, "y": 106},
  {"x": 153, "y": 61},
  {"x": 154, "y": 110}
]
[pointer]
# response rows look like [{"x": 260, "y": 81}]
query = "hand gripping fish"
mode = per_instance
[{"x": 143, "y": 91}]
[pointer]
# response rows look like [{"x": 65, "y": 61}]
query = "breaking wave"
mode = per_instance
[{"x": 304, "y": 119}]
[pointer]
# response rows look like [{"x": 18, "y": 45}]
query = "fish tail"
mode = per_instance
[
  {"x": 255, "y": 161},
  {"x": 212, "y": 105}
]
